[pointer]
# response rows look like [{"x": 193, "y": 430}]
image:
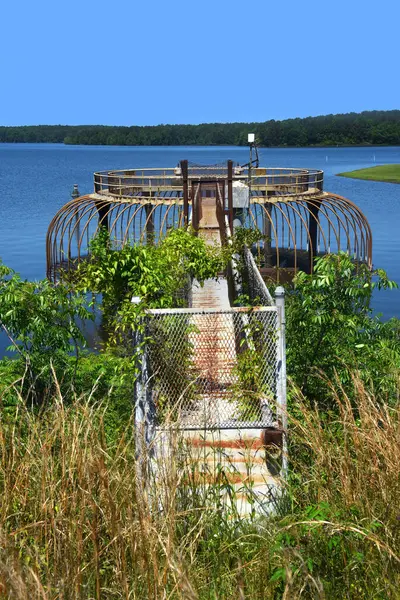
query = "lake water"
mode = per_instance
[{"x": 37, "y": 179}]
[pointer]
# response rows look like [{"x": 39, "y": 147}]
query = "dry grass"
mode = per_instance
[
  {"x": 346, "y": 485},
  {"x": 76, "y": 522}
]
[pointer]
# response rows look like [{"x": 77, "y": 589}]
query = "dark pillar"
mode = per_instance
[
  {"x": 196, "y": 204},
  {"x": 313, "y": 221},
  {"x": 102, "y": 209},
  {"x": 149, "y": 224},
  {"x": 230, "y": 195},
  {"x": 267, "y": 233},
  {"x": 184, "y": 168}
]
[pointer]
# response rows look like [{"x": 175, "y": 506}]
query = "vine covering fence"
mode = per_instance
[{"x": 214, "y": 369}]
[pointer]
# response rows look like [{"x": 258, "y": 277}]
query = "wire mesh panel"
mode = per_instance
[
  {"x": 214, "y": 369},
  {"x": 257, "y": 289},
  {"x": 199, "y": 171}
]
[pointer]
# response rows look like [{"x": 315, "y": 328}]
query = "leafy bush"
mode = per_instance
[
  {"x": 42, "y": 322},
  {"x": 331, "y": 330},
  {"x": 154, "y": 273}
]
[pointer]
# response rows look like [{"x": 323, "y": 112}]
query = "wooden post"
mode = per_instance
[
  {"x": 184, "y": 168},
  {"x": 230, "y": 195}
]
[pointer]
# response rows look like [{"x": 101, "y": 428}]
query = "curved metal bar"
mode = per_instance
[
  {"x": 363, "y": 227},
  {"x": 275, "y": 233},
  {"x": 339, "y": 222},
  {"x": 128, "y": 225}
]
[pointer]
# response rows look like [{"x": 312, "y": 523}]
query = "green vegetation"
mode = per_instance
[
  {"x": 366, "y": 128},
  {"x": 75, "y": 519},
  {"x": 43, "y": 322},
  {"x": 332, "y": 333},
  {"x": 76, "y": 522},
  {"x": 387, "y": 173},
  {"x": 158, "y": 275}
]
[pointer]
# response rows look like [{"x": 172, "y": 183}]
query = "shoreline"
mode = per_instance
[
  {"x": 381, "y": 173},
  {"x": 314, "y": 147}
]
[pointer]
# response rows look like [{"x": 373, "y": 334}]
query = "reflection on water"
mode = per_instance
[{"x": 37, "y": 179}]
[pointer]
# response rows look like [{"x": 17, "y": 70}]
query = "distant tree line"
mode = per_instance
[{"x": 366, "y": 128}]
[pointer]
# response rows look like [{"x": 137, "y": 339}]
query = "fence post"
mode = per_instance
[
  {"x": 281, "y": 383},
  {"x": 143, "y": 405}
]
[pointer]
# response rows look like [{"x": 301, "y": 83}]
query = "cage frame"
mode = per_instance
[{"x": 298, "y": 219}]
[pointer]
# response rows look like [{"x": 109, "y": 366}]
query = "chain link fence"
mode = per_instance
[
  {"x": 256, "y": 288},
  {"x": 213, "y": 369}
]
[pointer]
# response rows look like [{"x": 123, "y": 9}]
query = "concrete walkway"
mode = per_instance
[{"x": 238, "y": 452}]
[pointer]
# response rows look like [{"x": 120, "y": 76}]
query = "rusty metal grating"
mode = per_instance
[{"x": 213, "y": 369}]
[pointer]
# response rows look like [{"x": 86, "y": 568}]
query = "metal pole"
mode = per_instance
[
  {"x": 75, "y": 192},
  {"x": 246, "y": 209},
  {"x": 144, "y": 406},
  {"x": 281, "y": 383}
]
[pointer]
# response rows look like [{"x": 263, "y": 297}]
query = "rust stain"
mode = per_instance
[
  {"x": 233, "y": 478},
  {"x": 253, "y": 444},
  {"x": 218, "y": 478},
  {"x": 237, "y": 460}
]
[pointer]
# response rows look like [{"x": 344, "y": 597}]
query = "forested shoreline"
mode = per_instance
[{"x": 366, "y": 128}]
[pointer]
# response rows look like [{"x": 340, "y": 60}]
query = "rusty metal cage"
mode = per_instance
[
  {"x": 297, "y": 218},
  {"x": 298, "y": 228}
]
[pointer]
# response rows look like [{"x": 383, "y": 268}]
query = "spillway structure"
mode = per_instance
[
  {"x": 195, "y": 369},
  {"x": 297, "y": 217}
]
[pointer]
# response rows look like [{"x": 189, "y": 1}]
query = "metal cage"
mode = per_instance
[{"x": 297, "y": 218}]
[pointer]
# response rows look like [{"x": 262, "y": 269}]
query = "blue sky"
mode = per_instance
[{"x": 128, "y": 62}]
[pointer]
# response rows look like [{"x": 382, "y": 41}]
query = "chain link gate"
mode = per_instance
[{"x": 213, "y": 369}]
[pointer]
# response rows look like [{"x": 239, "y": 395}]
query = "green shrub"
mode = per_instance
[{"x": 331, "y": 330}]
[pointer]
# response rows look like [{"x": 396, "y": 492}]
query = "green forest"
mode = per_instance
[{"x": 366, "y": 128}]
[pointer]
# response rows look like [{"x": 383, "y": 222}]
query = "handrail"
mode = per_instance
[
  {"x": 211, "y": 311},
  {"x": 148, "y": 181},
  {"x": 256, "y": 275}
]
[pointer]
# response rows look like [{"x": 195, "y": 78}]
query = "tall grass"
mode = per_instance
[{"x": 76, "y": 522}]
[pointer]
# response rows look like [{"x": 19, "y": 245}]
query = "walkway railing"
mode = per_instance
[
  {"x": 141, "y": 183},
  {"x": 214, "y": 369},
  {"x": 257, "y": 290}
]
